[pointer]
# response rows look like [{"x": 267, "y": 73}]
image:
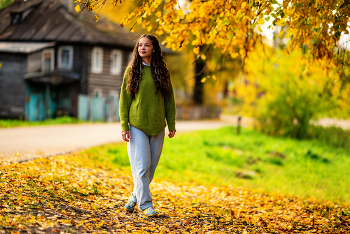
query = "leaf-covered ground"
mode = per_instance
[{"x": 65, "y": 194}]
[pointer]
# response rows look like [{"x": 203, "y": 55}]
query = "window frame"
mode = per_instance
[
  {"x": 71, "y": 55},
  {"x": 95, "y": 69},
  {"x": 118, "y": 69},
  {"x": 52, "y": 62}
]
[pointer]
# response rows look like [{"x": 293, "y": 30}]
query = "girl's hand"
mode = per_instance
[
  {"x": 126, "y": 136},
  {"x": 171, "y": 134}
]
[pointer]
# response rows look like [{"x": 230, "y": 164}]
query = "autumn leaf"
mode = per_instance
[{"x": 77, "y": 8}]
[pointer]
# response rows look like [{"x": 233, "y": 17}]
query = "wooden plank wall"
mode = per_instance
[
  {"x": 34, "y": 62},
  {"x": 105, "y": 80},
  {"x": 12, "y": 85},
  {"x": 83, "y": 56}
]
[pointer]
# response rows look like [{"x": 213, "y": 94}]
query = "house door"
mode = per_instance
[{"x": 35, "y": 104}]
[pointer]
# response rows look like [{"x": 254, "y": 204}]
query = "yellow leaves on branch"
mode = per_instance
[
  {"x": 97, "y": 18},
  {"x": 225, "y": 24},
  {"x": 203, "y": 80}
]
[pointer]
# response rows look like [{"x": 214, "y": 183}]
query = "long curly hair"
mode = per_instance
[{"x": 159, "y": 70}]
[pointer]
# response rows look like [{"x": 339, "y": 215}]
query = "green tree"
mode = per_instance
[{"x": 5, "y": 3}]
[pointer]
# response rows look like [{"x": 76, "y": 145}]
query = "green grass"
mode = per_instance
[
  {"x": 9, "y": 123},
  {"x": 252, "y": 160}
]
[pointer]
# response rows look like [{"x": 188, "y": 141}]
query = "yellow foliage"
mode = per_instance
[
  {"x": 180, "y": 13},
  {"x": 204, "y": 9},
  {"x": 196, "y": 50},
  {"x": 281, "y": 33},
  {"x": 289, "y": 92},
  {"x": 212, "y": 22},
  {"x": 77, "y": 8},
  {"x": 260, "y": 21}
]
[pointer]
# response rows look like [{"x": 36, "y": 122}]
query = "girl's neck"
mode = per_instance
[{"x": 147, "y": 60}]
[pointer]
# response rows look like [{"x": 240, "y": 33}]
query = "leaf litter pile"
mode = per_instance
[{"x": 68, "y": 194}]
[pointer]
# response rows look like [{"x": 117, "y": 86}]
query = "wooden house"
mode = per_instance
[{"x": 49, "y": 54}]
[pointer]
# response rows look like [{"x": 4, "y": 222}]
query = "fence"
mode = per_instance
[{"x": 98, "y": 108}]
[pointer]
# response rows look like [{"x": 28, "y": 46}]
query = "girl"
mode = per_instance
[{"x": 146, "y": 101}]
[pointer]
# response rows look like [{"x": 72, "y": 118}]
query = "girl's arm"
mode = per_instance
[
  {"x": 125, "y": 103},
  {"x": 170, "y": 110}
]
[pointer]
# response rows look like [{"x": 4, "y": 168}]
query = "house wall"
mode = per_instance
[
  {"x": 85, "y": 60},
  {"x": 106, "y": 81},
  {"x": 34, "y": 62},
  {"x": 12, "y": 85}
]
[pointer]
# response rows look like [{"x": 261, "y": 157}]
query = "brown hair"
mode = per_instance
[{"x": 159, "y": 70}]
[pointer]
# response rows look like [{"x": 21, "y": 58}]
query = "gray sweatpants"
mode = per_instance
[{"x": 144, "y": 152}]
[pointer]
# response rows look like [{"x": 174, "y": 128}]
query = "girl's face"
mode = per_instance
[{"x": 145, "y": 48}]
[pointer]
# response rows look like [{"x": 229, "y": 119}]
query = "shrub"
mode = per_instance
[{"x": 284, "y": 96}]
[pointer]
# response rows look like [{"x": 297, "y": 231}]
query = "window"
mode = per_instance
[
  {"x": 16, "y": 18},
  {"x": 47, "y": 60},
  {"x": 97, "y": 60},
  {"x": 65, "y": 57},
  {"x": 116, "y": 62}
]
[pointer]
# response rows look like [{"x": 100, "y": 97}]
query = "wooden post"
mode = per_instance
[{"x": 239, "y": 125}]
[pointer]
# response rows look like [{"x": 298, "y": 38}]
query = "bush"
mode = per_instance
[{"x": 284, "y": 97}]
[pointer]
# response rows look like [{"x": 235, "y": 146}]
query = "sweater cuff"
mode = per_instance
[
  {"x": 125, "y": 127},
  {"x": 171, "y": 127}
]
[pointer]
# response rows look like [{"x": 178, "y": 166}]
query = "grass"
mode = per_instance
[
  {"x": 10, "y": 123},
  {"x": 252, "y": 160}
]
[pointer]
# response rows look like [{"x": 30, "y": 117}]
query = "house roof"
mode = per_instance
[
  {"x": 49, "y": 20},
  {"x": 24, "y": 47}
]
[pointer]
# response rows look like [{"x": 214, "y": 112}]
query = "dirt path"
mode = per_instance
[{"x": 29, "y": 142}]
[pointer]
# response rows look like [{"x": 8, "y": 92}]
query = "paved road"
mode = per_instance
[{"x": 29, "y": 142}]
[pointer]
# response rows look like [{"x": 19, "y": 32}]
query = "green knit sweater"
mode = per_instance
[{"x": 146, "y": 110}]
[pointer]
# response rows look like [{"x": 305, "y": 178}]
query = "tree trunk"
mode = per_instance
[{"x": 198, "y": 92}]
